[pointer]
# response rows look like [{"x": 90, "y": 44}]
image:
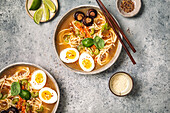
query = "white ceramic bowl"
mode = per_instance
[
  {"x": 113, "y": 60},
  {"x": 48, "y": 74}
]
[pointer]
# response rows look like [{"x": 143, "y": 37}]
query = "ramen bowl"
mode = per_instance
[
  {"x": 65, "y": 21},
  {"x": 12, "y": 69}
]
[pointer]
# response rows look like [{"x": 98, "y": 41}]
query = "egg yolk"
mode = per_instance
[
  {"x": 70, "y": 54},
  {"x": 46, "y": 95},
  {"x": 86, "y": 63},
  {"x": 39, "y": 78}
]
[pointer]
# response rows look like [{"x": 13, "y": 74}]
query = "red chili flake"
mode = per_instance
[{"x": 127, "y": 6}]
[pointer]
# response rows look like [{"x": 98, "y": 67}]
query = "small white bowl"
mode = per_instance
[
  {"x": 128, "y": 80},
  {"x": 137, "y": 6}
]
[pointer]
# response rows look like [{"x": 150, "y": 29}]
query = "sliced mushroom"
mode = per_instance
[
  {"x": 4, "y": 111},
  {"x": 79, "y": 16},
  {"x": 88, "y": 21},
  {"x": 92, "y": 13},
  {"x": 13, "y": 110}
]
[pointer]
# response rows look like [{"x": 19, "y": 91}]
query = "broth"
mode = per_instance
[
  {"x": 65, "y": 25},
  {"x": 11, "y": 71}
]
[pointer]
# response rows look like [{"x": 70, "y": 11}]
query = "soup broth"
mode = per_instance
[{"x": 12, "y": 70}]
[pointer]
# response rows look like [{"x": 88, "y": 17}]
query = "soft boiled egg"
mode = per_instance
[
  {"x": 48, "y": 95},
  {"x": 86, "y": 62},
  {"x": 38, "y": 79},
  {"x": 69, "y": 55}
]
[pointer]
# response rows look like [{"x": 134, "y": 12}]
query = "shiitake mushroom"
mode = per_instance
[
  {"x": 13, "y": 110},
  {"x": 92, "y": 13},
  {"x": 79, "y": 16},
  {"x": 88, "y": 21},
  {"x": 4, "y": 111}
]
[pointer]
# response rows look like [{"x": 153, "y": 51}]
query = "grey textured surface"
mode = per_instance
[{"x": 22, "y": 40}]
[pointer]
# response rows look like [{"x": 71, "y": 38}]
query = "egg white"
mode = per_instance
[
  {"x": 53, "y": 99},
  {"x": 66, "y": 60},
  {"x": 36, "y": 85},
  {"x": 86, "y": 56}
]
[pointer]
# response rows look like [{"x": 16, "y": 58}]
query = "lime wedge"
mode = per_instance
[
  {"x": 50, "y": 5},
  {"x": 46, "y": 12},
  {"x": 35, "y": 5},
  {"x": 38, "y": 15}
]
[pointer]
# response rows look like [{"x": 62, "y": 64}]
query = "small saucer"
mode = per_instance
[
  {"x": 31, "y": 12},
  {"x": 137, "y": 6}
]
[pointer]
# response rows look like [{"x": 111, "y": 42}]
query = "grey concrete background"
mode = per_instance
[{"x": 22, "y": 40}]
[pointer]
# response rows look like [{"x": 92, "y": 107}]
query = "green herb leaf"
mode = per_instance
[
  {"x": 96, "y": 39},
  {"x": 25, "y": 94},
  {"x": 87, "y": 42},
  {"x": 99, "y": 42},
  {"x": 15, "y": 88}
]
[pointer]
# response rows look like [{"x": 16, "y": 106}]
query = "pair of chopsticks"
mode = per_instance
[{"x": 111, "y": 20}]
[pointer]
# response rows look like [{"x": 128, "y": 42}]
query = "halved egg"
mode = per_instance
[
  {"x": 69, "y": 55},
  {"x": 86, "y": 62},
  {"x": 48, "y": 95},
  {"x": 38, "y": 79}
]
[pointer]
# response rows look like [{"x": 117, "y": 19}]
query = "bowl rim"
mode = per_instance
[
  {"x": 126, "y": 74},
  {"x": 105, "y": 67},
  {"x": 128, "y": 15},
  {"x": 32, "y": 17},
  {"x": 47, "y": 73}
]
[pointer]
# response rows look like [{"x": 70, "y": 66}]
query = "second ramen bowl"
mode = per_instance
[{"x": 62, "y": 23}]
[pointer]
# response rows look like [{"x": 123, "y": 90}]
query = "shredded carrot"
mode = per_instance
[
  {"x": 80, "y": 27},
  {"x": 19, "y": 103},
  {"x": 94, "y": 46},
  {"x": 23, "y": 106},
  {"x": 83, "y": 30},
  {"x": 23, "y": 87},
  {"x": 87, "y": 32}
]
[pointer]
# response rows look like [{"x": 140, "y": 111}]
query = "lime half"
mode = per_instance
[
  {"x": 38, "y": 15},
  {"x": 35, "y": 5},
  {"x": 46, "y": 12},
  {"x": 50, "y": 5}
]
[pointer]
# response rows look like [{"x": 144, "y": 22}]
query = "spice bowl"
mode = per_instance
[
  {"x": 136, "y": 9},
  {"x": 121, "y": 84}
]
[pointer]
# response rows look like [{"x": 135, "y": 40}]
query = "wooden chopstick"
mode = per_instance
[
  {"x": 124, "y": 46},
  {"x": 117, "y": 26}
]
